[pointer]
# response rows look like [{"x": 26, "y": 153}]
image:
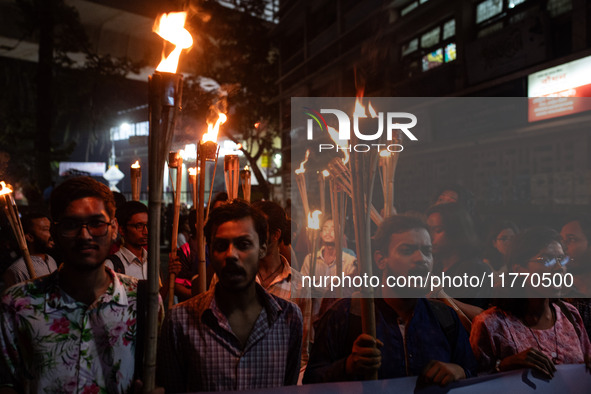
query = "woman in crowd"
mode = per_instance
[
  {"x": 534, "y": 332},
  {"x": 496, "y": 247}
]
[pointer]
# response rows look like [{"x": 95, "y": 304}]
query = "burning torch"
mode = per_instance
[
  {"x": 11, "y": 211},
  {"x": 136, "y": 180},
  {"x": 165, "y": 91}
]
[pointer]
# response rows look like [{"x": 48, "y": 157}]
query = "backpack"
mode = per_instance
[{"x": 117, "y": 264}]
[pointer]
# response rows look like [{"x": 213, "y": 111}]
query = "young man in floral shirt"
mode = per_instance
[{"x": 73, "y": 330}]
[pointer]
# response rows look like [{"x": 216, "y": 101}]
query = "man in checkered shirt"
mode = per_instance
[{"x": 236, "y": 336}]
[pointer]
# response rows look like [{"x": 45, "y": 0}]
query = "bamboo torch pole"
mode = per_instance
[
  {"x": 363, "y": 168},
  {"x": 164, "y": 102},
  {"x": 11, "y": 211},
  {"x": 231, "y": 168},
  {"x": 208, "y": 149},
  {"x": 135, "y": 173},
  {"x": 175, "y": 161},
  {"x": 193, "y": 182},
  {"x": 246, "y": 183}
]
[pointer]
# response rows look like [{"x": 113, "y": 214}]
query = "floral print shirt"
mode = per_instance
[{"x": 51, "y": 343}]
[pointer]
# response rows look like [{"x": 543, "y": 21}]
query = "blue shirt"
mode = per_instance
[{"x": 425, "y": 341}]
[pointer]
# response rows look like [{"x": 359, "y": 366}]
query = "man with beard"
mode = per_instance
[
  {"x": 132, "y": 258},
  {"x": 235, "y": 336},
  {"x": 36, "y": 227},
  {"x": 75, "y": 329},
  {"x": 414, "y": 336}
]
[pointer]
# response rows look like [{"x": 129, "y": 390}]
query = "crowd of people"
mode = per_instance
[{"x": 75, "y": 326}]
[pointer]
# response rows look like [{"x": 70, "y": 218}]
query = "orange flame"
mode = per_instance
[
  {"x": 359, "y": 108},
  {"x": 246, "y": 168},
  {"x": 5, "y": 189},
  {"x": 372, "y": 111},
  {"x": 136, "y": 164},
  {"x": 334, "y": 135},
  {"x": 301, "y": 170},
  {"x": 213, "y": 129},
  {"x": 193, "y": 171},
  {"x": 314, "y": 220},
  {"x": 171, "y": 28}
]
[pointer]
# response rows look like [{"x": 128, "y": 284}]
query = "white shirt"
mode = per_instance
[{"x": 135, "y": 267}]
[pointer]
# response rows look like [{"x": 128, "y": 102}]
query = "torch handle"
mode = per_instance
[
  {"x": 11, "y": 211},
  {"x": 175, "y": 228}
]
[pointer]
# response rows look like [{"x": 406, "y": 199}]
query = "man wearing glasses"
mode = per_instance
[
  {"x": 132, "y": 258},
  {"x": 75, "y": 329}
]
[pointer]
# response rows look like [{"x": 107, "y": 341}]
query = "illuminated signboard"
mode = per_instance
[{"x": 553, "y": 91}]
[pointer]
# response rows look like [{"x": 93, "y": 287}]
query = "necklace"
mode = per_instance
[{"x": 553, "y": 354}]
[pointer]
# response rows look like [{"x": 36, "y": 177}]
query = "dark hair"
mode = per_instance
[
  {"x": 76, "y": 188},
  {"x": 395, "y": 225},
  {"x": 219, "y": 197},
  {"x": 529, "y": 243},
  {"x": 120, "y": 200},
  {"x": 491, "y": 253},
  {"x": 584, "y": 221},
  {"x": 276, "y": 217},
  {"x": 129, "y": 209},
  {"x": 465, "y": 196},
  {"x": 27, "y": 220},
  {"x": 458, "y": 227},
  {"x": 232, "y": 211}
]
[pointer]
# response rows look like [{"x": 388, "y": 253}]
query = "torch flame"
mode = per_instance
[
  {"x": 136, "y": 164},
  {"x": 171, "y": 28},
  {"x": 325, "y": 173},
  {"x": 384, "y": 153},
  {"x": 344, "y": 145},
  {"x": 5, "y": 189},
  {"x": 213, "y": 130},
  {"x": 359, "y": 108},
  {"x": 246, "y": 168},
  {"x": 301, "y": 170},
  {"x": 193, "y": 171},
  {"x": 372, "y": 111},
  {"x": 314, "y": 220}
]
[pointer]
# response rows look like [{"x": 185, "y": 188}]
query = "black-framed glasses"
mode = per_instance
[
  {"x": 70, "y": 228},
  {"x": 551, "y": 261},
  {"x": 138, "y": 226}
]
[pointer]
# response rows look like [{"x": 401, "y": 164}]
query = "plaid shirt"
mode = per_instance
[
  {"x": 198, "y": 351},
  {"x": 288, "y": 285}
]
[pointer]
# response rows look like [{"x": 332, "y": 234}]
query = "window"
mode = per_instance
[
  {"x": 430, "y": 49},
  {"x": 487, "y": 9},
  {"x": 449, "y": 29},
  {"x": 126, "y": 130},
  {"x": 409, "y": 8},
  {"x": 432, "y": 60},
  {"x": 450, "y": 52},
  {"x": 430, "y": 38},
  {"x": 558, "y": 7},
  {"x": 410, "y": 47}
]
